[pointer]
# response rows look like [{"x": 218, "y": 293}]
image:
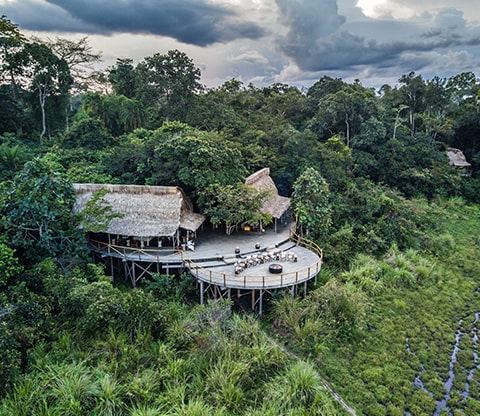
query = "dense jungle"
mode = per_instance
[{"x": 391, "y": 323}]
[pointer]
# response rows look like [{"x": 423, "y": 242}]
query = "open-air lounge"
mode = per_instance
[{"x": 154, "y": 229}]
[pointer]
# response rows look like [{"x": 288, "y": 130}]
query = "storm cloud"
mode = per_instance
[
  {"x": 194, "y": 22},
  {"x": 317, "y": 39}
]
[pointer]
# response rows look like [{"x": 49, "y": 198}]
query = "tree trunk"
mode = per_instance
[
  {"x": 347, "y": 129},
  {"x": 41, "y": 99},
  {"x": 412, "y": 123}
]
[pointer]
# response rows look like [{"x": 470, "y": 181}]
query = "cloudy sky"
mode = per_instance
[{"x": 266, "y": 41}]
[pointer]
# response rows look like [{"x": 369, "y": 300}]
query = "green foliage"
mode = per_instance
[
  {"x": 87, "y": 132},
  {"x": 10, "y": 356},
  {"x": 96, "y": 215},
  {"x": 164, "y": 286},
  {"x": 170, "y": 81},
  {"x": 299, "y": 389},
  {"x": 194, "y": 160},
  {"x": 38, "y": 211},
  {"x": 9, "y": 266},
  {"x": 107, "y": 115},
  {"x": 48, "y": 79},
  {"x": 311, "y": 203},
  {"x": 234, "y": 205},
  {"x": 401, "y": 270},
  {"x": 12, "y": 159},
  {"x": 334, "y": 311}
]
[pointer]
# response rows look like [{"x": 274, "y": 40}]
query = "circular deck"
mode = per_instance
[
  {"x": 216, "y": 257},
  {"x": 306, "y": 267}
]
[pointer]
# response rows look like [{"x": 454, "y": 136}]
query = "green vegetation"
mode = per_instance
[{"x": 370, "y": 183}]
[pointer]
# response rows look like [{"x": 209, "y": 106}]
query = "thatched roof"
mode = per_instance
[
  {"x": 147, "y": 211},
  {"x": 276, "y": 205},
  {"x": 457, "y": 158}
]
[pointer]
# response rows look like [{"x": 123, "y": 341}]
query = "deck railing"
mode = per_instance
[
  {"x": 249, "y": 281},
  {"x": 227, "y": 280},
  {"x": 129, "y": 251}
]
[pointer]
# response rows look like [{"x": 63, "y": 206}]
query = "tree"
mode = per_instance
[
  {"x": 171, "y": 81},
  {"x": 335, "y": 161},
  {"x": 412, "y": 94},
  {"x": 311, "y": 203},
  {"x": 38, "y": 211},
  {"x": 122, "y": 76},
  {"x": 345, "y": 110},
  {"x": 286, "y": 103},
  {"x": 78, "y": 55},
  {"x": 462, "y": 87},
  {"x": 47, "y": 77},
  {"x": 12, "y": 159},
  {"x": 119, "y": 114},
  {"x": 234, "y": 205},
  {"x": 10, "y": 41},
  {"x": 9, "y": 266},
  {"x": 87, "y": 132},
  {"x": 194, "y": 159},
  {"x": 324, "y": 86}
]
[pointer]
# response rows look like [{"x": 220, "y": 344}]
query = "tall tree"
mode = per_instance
[
  {"x": 171, "y": 80},
  {"x": 311, "y": 204},
  {"x": 122, "y": 76},
  {"x": 344, "y": 111},
  {"x": 194, "y": 159},
  {"x": 412, "y": 94},
  {"x": 10, "y": 41},
  {"x": 47, "y": 77},
  {"x": 79, "y": 56}
]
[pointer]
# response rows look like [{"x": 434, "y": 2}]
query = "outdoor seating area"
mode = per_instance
[{"x": 262, "y": 258}]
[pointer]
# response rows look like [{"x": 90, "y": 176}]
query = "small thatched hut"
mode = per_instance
[
  {"x": 457, "y": 159},
  {"x": 146, "y": 212},
  {"x": 276, "y": 205}
]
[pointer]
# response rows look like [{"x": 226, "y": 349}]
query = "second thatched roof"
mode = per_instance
[
  {"x": 145, "y": 211},
  {"x": 275, "y": 205}
]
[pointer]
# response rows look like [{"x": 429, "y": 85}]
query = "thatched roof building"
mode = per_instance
[
  {"x": 276, "y": 205},
  {"x": 457, "y": 158},
  {"x": 146, "y": 211}
]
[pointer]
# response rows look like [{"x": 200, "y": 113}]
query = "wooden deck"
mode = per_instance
[
  {"x": 306, "y": 267},
  {"x": 214, "y": 261}
]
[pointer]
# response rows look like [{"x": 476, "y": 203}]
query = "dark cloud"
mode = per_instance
[
  {"x": 195, "y": 22},
  {"x": 309, "y": 19},
  {"x": 316, "y": 39}
]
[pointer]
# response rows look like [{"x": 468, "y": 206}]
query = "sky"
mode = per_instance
[{"x": 263, "y": 42}]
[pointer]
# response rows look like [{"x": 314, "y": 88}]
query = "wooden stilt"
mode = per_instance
[
  {"x": 134, "y": 280},
  {"x": 260, "y": 303},
  {"x": 201, "y": 292},
  {"x": 253, "y": 299},
  {"x": 125, "y": 269},
  {"x": 112, "y": 269}
]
